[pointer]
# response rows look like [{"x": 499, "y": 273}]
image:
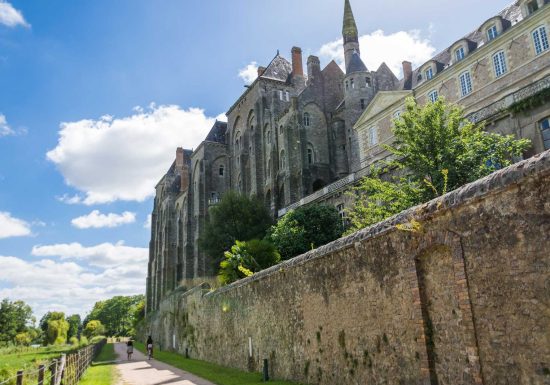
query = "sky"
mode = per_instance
[{"x": 95, "y": 97}]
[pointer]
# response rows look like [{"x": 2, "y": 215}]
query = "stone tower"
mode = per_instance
[{"x": 350, "y": 34}]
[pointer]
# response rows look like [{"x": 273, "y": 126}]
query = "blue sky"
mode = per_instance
[{"x": 95, "y": 96}]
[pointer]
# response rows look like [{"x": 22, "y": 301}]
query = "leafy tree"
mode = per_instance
[
  {"x": 236, "y": 218},
  {"x": 58, "y": 328},
  {"x": 14, "y": 319},
  {"x": 305, "y": 228},
  {"x": 23, "y": 339},
  {"x": 116, "y": 314},
  {"x": 247, "y": 258},
  {"x": 75, "y": 324},
  {"x": 437, "y": 137},
  {"x": 138, "y": 316},
  {"x": 94, "y": 328}
]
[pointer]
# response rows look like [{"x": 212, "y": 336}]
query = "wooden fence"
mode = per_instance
[{"x": 65, "y": 370}]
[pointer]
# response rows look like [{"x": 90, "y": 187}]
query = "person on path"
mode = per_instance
[
  {"x": 129, "y": 348},
  {"x": 150, "y": 347}
]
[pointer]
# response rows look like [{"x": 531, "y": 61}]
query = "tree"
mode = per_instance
[
  {"x": 247, "y": 258},
  {"x": 236, "y": 218},
  {"x": 305, "y": 228},
  {"x": 15, "y": 318},
  {"x": 437, "y": 137},
  {"x": 94, "y": 328},
  {"x": 74, "y": 326},
  {"x": 57, "y": 329},
  {"x": 116, "y": 314}
]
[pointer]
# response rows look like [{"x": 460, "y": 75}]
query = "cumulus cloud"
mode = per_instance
[
  {"x": 66, "y": 286},
  {"x": 10, "y": 16},
  {"x": 112, "y": 159},
  {"x": 147, "y": 224},
  {"x": 5, "y": 129},
  {"x": 13, "y": 227},
  {"x": 379, "y": 47},
  {"x": 103, "y": 255},
  {"x": 249, "y": 73},
  {"x": 98, "y": 220}
]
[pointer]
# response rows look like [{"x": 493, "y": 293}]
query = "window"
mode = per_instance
[
  {"x": 268, "y": 137},
  {"x": 540, "y": 38},
  {"x": 397, "y": 114},
  {"x": 492, "y": 32},
  {"x": 352, "y": 84},
  {"x": 368, "y": 82},
  {"x": 459, "y": 54},
  {"x": 499, "y": 62},
  {"x": 373, "y": 136},
  {"x": 282, "y": 160},
  {"x": 532, "y": 6},
  {"x": 281, "y": 130},
  {"x": 433, "y": 96},
  {"x": 363, "y": 105},
  {"x": 287, "y": 96},
  {"x": 545, "y": 131},
  {"x": 347, "y": 85},
  {"x": 309, "y": 156},
  {"x": 465, "y": 83},
  {"x": 221, "y": 170},
  {"x": 307, "y": 119},
  {"x": 429, "y": 73}
]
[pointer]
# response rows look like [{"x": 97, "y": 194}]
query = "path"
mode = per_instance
[{"x": 141, "y": 371}]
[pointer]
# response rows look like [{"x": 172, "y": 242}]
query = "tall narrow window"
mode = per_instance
[
  {"x": 363, "y": 105},
  {"x": 459, "y": 54},
  {"x": 540, "y": 39},
  {"x": 545, "y": 131},
  {"x": 287, "y": 96},
  {"x": 281, "y": 130},
  {"x": 433, "y": 96},
  {"x": 347, "y": 85},
  {"x": 307, "y": 119},
  {"x": 309, "y": 156},
  {"x": 281, "y": 95},
  {"x": 352, "y": 82},
  {"x": 465, "y": 83},
  {"x": 268, "y": 137},
  {"x": 221, "y": 170},
  {"x": 499, "y": 63},
  {"x": 492, "y": 32},
  {"x": 368, "y": 82},
  {"x": 373, "y": 136},
  {"x": 429, "y": 73},
  {"x": 282, "y": 160}
]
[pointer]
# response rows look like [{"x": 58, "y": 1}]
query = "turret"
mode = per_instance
[{"x": 350, "y": 34}]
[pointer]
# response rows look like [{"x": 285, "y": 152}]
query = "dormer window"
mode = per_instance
[
  {"x": 492, "y": 32},
  {"x": 429, "y": 73},
  {"x": 459, "y": 54}
]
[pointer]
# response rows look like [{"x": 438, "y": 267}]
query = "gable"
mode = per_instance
[{"x": 381, "y": 102}]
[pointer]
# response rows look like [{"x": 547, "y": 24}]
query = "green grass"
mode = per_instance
[
  {"x": 217, "y": 374},
  {"x": 28, "y": 360},
  {"x": 101, "y": 372}
]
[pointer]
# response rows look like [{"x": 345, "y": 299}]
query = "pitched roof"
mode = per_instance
[
  {"x": 217, "y": 133},
  {"x": 356, "y": 64},
  {"x": 278, "y": 69}
]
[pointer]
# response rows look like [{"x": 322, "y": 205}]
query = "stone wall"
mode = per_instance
[{"x": 464, "y": 299}]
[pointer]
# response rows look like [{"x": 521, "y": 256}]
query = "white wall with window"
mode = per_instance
[
  {"x": 499, "y": 63},
  {"x": 465, "y": 83},
  {"x": 540, "y": 39}
]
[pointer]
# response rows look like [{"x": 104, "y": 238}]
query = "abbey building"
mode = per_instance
[{"x": 300, "y": 135}]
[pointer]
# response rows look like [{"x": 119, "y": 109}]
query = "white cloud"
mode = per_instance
[
  {"x": 378, "y": 47},
  {"x": 249, "y": 73},
  {"x": 10, "y": 16},
  {"x": 123, "y": 158},
  {"x": 97, "y": 220},
  {"x": 5, "y": 129},
  {"x": 13, "y": 227},
  {"x": 147, "y": 224},
  {"x": 102, "y": 255},
  {"x": 66, "y": 286}
]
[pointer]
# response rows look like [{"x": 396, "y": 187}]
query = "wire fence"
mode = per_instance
[{"x": 65, "y": 370}]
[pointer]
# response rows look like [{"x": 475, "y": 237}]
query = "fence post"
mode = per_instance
[
  {"x": 41, "y": 375},
  {"x": 19, "y": 377},
  {"x": 53, "y": 372}
]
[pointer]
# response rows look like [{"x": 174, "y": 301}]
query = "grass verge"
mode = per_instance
[
  {"x": 217, "y": 374},
  {"x": 102, "y": 372}
]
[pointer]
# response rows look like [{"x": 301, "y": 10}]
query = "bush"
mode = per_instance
[
  {"x": 84, "y": 341},
  {"x": 74, "y": 341},
  {"x": 97, "y": 339}
]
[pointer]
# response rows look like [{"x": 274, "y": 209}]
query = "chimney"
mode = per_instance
[
  {"x": 313, "y": 68},
  {"x": 261, "y": 71},
  {"x": 297, "y": 65},
  {"x": 407, "y": 75},
  {"x": 179, "y": 158}
]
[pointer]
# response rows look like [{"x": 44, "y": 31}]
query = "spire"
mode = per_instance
[{"x": 349, "y": 29}]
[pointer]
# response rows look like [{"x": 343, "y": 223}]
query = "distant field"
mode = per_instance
[
  {"x": 27, "y": 359},
  {"x": 101, "y": 373}
]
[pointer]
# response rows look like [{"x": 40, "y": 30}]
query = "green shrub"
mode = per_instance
[{"x": 84, "y": 341}]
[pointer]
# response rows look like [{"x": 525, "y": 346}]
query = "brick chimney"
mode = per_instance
[
  {"x": 179, "y": 158},
  {"x": 407, "y": 75},
  {"x": 261, "y": 71},
  {"x": 297, "y": 65}
]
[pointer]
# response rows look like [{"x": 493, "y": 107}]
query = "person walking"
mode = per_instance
[
  {"x": 150, "y": 347},
  {"x": 130, "y": 348}
]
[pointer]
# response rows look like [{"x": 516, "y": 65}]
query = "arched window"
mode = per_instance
[
  {"x": 221, "y": 170},
  {"x": 540, "y": 39},
  {"x": 310, "y": 159},
  {"x": 281, "y": 130},
  {"x": 499, "y": 63},
  {"x": 307, "y": 119},
  {"x": 282, "y": 160}
]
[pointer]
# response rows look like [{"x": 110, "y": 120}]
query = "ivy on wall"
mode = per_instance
[{"x": 531, "y": 102}]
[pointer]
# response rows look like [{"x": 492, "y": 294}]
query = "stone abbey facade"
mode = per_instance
[{"x": 296, "y": 137}]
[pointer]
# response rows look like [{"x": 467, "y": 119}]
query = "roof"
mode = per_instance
[
  {"x": 278, "y": 69},
  {"x": 217, "y": 133},
  {"x": 356, "y": 64}
]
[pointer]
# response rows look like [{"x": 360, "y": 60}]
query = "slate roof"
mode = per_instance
[
  {"x": 356, "y": 64},
  {"x": 217, "y": 133},
  {"x": 279, "y": 69}
]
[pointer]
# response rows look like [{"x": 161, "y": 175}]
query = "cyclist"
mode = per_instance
[{"x": 150, "y": 347}]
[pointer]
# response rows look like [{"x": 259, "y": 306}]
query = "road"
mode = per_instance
[{"x": 141, "y": 371}]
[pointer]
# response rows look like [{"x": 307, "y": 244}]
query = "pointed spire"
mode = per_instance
[{"x": 349, "y": 29}]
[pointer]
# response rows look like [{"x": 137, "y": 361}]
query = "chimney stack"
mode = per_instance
[
  {"x": 297, "y": 65},
  {"x": 261, "y": 71},
  {"x": 407, "y": 75},
  {"x": 179, "y": 158},
  {"x": 313, "y": 68}
]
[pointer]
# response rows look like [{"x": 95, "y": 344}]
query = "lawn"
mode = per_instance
[
  {"x": 217, "y": 374},
  {"x": 28, "y": 360},
  {"x": 102, "y": 371}
]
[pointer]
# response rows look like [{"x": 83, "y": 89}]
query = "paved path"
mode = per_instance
[{"x": 141, "y": 371}]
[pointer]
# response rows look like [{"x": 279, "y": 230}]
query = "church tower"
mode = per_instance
[{"x": 350, "y": 34}]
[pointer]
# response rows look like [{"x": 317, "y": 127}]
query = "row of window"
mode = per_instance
[{"x": 350, "y": 84}]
